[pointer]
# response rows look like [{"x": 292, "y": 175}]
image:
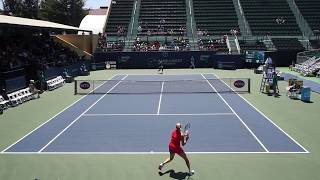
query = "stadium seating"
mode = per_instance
[
  {"x": 218, "y": 45},
  {"x": 179, "y": 44},
  {"x": 162, "y": 18},
  {"x": 308, "y": 68},
  {"x": 40, "y": 50},
  {"x": 310, "y": 11},
  {"x": 287, "y": 44},
  {"x": 216, "y": 17},
  {"x": 252, "y": 45},
  {"x": 120, "y": 16},
  {"x": 315, "y": 44},
  {"x": 55, "y": 83},
  {"x": 270, "y": 17}
]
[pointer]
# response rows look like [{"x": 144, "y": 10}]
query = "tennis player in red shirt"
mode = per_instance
[{"x": 178, "y": 138}]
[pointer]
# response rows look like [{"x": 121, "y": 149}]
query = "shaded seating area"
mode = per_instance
[
  {"x": 315, "y": 44},
  {"x": 215, "y": 17},
  {"x": 271, "y": 17},
  {"x": 179, "y": 44},
  {"x": 119, "y": 17},
  {"x": 310, "y": 67},
  {"x": 218, "y": 45},
  {"x": 310, "y": 11},
  {"x": 252, "y": 45},
  {"x": 284, "y": 44},
  {"x": 162, "y": 18}
]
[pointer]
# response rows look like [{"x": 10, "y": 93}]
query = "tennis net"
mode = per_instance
[{"x": 231, "y": 85}]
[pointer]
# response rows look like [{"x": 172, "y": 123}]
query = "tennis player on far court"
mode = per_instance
[
  {"x": 160, "y": 69},
  {"x": 178, "y": 138}
]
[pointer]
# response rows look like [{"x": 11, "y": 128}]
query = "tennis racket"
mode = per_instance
[{"x": 186, "y": 130}]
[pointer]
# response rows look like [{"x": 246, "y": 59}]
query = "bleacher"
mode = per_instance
[
  {"x": 162, "y": 18},
  {"x": 310, "y": 67},
  {"x": 315, "y": 44},
  {"x": 310, "y": 11},
  {"x": 270, "y": 17},
  {"x": 217, "y": 45},
  {"x": 120, "y": 15},
  {"x": 252, "y": 45},
  {"x": 216, "y": 17},
  {"x": 284, "y": 44}
]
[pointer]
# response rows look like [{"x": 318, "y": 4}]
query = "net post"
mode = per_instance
[
  {"x": 249, "y": 85},
  {"x": 93, "y": 86},
  {"x": 75, "y": 87}
]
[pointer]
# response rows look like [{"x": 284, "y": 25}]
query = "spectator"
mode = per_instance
[
  {"x": 192, "y": 66},
  {"x": 33, "y": 89},
  {"x": 268, "y": 61}
]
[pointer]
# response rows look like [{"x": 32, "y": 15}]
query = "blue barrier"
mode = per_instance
[
  {"x": 305, "y": 94},
  {"x": 73, "y": 70},
  {"x": 174, "y": 59}
]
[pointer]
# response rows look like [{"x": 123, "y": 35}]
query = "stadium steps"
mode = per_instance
[
  {"x": 269, "y": 45},
  {"x": 242, "y": 21},
  {"x": 233, "y": 46},
  {"x": 302, "y": 23},
  {"x": 306, "y": 44},
  {"x": 128, "y": 45},
  {"x": 191, "y": 26},
  {"x": 262, "y": 17},
  {"x": 134, "y": 23},
  {"x": 310, "y": 11},
  {"x": 191, "y": 23}
]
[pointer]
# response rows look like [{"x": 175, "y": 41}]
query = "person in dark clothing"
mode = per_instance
[{"x": 160, "y": 69}]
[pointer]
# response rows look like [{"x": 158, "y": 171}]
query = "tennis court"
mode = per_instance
[{"x": 136, "y": 113}]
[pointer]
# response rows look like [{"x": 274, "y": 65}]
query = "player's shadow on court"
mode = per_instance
[{"x": 176, "y": 175}]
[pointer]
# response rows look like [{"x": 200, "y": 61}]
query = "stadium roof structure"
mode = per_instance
[
  {"x": 18, "y": 21},
  {"x": 96, "y": 20}
]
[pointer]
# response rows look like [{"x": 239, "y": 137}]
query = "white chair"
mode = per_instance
[
  {"x": 28, "y": 94},
  {"x": 4, "y": 103},
  {"x": 22, "y": 95},
  {"x": 55, "y": 83},
  {"x": 14, "y": 99}
]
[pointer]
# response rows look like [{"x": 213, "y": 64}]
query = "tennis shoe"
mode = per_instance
[
  {"x": 191, "y": 173},
  {"x": 160, "y": 167}
]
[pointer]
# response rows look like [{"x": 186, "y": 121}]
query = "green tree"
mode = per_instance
[
  {"x": 68, "y": 12},
  {"x": 22, "y": 8},
  {"x": 12, "y": 7},
  {"x": 30, "y": 9}
]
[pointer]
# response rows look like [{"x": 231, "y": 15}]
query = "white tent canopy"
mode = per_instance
[
  {"x": 10, "y": 20},
  {"x": 95, "y": 23}
]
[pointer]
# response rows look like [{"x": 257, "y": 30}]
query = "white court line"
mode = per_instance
[
  {"x": 237, "y": 116},
  {"x": 265, "y": 116},
  {"x": 80, "y": 116},
  {"x": 158, "y": 112},
  {"x": 51, "y": 118},
  {"x": 146, "y": 153},
  {"x": 200, "y": 114}
]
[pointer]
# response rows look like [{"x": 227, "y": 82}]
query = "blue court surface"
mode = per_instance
[{"x": 142, "y": 122}]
